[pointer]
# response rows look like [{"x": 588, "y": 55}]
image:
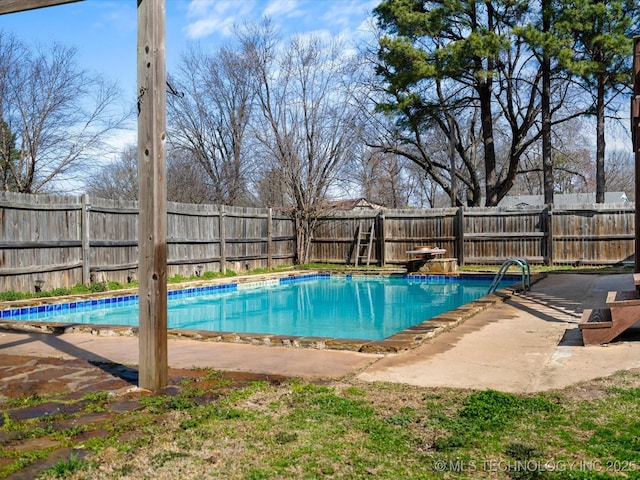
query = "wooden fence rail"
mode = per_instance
[
  {"x": 599, "y": 234},
  {"x": 50, "y": 241},
  {"x": 54, "y": 241}
]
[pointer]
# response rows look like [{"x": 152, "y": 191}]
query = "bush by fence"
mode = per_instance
[{"x": 64, "y": 240}]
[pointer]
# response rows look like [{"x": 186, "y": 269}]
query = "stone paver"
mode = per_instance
[{"x": 67, "y": 406}]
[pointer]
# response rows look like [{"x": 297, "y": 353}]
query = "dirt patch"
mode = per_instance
[{"x": 602, "y": 387}]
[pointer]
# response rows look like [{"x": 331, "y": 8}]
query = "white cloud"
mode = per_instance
[
  {"x": 121, "y": 16},
  {"x": 197, "y": 8},
  {"x": 217, "y": 16},
  {"x": 344, "y": 13},
  {"x": 283, "y": 8}
]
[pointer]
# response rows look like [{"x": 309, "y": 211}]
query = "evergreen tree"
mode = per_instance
[
  {"x": 602, "y": 32},
  {"x": 468, "y": 43},
  {"x": 9, "y": 156},
  {"x": 547, "y": 45}
]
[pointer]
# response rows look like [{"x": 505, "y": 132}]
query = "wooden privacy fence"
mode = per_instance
[
  {"x": 59, "y": 241},
  {"x": 51, "y": 241},
  {"x": 599, "y": 234}
]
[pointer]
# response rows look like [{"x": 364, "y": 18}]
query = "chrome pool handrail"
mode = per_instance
[{"x": 526, "y": 273}]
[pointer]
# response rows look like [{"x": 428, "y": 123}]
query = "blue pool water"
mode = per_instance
[{"x": 361, "y": 307}]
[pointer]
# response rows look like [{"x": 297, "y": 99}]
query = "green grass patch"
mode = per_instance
[
  {"x": 298, "y": 429},
  {"x": 536, "y": 268},
  {"x": 65, "y": 468},
  {"x": 22, "y": 460},
  {"x": 62, "y": 292}
]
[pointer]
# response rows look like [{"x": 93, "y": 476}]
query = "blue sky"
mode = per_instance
[{"x": 104, "y": 31}]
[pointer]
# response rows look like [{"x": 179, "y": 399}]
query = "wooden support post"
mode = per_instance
[
  {"x": 459, "y": 234},
  {"x": 381, "y": 253},
  {"x": 549, "y": 226},
  {"x": 152, "y": 221},
  {"x": 635, "y": 134},
  {"x": 85, "y": 226}
]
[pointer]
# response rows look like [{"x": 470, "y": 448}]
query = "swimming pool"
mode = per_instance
[{"x": 316, "y": 305}]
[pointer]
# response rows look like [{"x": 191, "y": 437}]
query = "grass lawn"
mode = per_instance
[{"x": 348, "y": 429}]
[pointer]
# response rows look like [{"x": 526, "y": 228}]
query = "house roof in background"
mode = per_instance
[
  {"x": 354, "y": 204},
  {"x": 562, "y": 199}
]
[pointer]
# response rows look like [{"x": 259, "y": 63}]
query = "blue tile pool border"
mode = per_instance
[{"x": 41, "y": 311}]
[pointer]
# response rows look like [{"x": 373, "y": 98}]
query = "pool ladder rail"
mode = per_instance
[{"x": 526, "y": 273}]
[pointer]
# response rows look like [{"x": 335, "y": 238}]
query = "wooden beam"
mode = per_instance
[
  {"x": 13, "y": 6},
  {"x": 152, "y": 173},
  {"x": 635, "y": 135}
]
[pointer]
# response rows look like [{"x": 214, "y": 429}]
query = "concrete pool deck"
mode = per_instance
[{"x": 527, "y": 343}]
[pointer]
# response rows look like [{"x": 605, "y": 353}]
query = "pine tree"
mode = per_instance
[
  {"x": 465, "y": 42},
  {"x": 601, "y": 59},
  {"x": 547, "y": 45},
  {"x": 9, "y": 156}
]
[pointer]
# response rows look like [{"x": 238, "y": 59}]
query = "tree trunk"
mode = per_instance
[
  {"x": 600, "y": 143},
  {"x": 547, "y": 160},
  {"x": 486, "y": 118}
]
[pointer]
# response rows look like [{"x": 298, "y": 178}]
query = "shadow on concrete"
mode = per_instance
[
  {"x": 118, "y": 370},
  {"x": 572, "y": 338},
  {"x": 564, "y": 307}
]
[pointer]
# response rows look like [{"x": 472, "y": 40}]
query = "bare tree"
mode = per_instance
[
  {"x": 60, "y": 115},
  {"x": 306, "y": 127},
  {"x": 187, "y": 180},
  {"x": 571, "y": 159},
  {"x": 117, "y": 180},
  {"x": 208, "y": 113},
  {"x": 272, "y": 191},
  {"x": 8, "y": 156},
  {"x": 10, "y": 53},
  {"x": 380, "y": 177},
  {"x": 620, "y": 172}
]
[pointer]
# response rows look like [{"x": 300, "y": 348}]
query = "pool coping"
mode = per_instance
[{"x": 406, "y": 339}]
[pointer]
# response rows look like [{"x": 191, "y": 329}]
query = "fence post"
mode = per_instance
[
  {"x": 269, "y": 238},
  {"x": 85, "y": 227},
  {"x": 460, "y": 235},
  {"x": 549, "y": 226},
  {"x": 223, "y": 256}
]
